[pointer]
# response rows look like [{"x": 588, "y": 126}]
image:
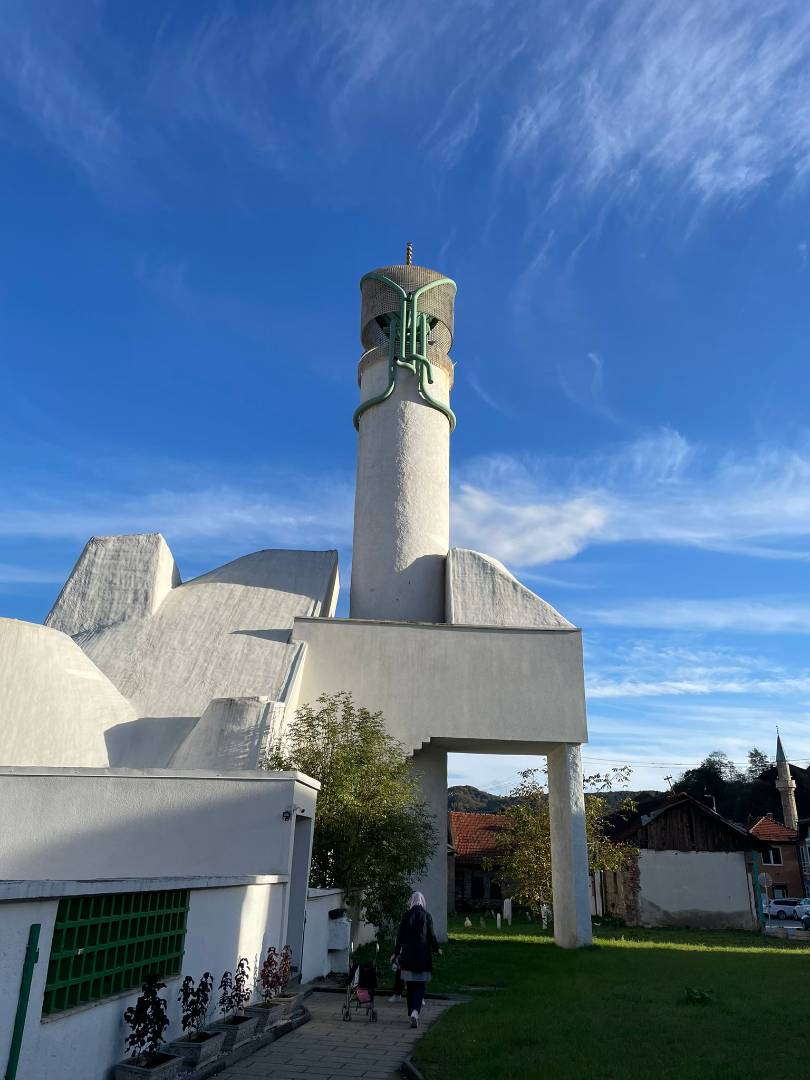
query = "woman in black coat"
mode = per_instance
[{"x": 416, "y": 944}]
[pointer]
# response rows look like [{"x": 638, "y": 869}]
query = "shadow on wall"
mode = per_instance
[
  {"x": 283, "y": 636},
  {"x": 87, "y": 831},
  {"x": 147, "y": 743}
]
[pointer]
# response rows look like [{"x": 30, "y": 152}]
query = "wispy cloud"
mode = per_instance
[
  {"x": 705, "y": 99},
  {"x": 319, "y": 515},
  {"x": 12, "y": 574},
  {"x": 45, "y": 76},
  {"x": 778, "y": 615},
  {"x": 607, "y": 98},
  {"x": 659, "y": 490},
  {"x": 485, "y": 396}
]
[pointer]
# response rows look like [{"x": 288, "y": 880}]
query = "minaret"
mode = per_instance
[
  {"x": 786, "y": 786},
  {"x": 404, "y": 420}
]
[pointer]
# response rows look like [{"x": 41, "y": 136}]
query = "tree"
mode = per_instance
[
  {"x": 373, "y": 831},
  {"x": 525, "y": 866},
  {"x": 757, "y": 764}
]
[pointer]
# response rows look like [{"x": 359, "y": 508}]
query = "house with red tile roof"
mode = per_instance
[
  {"x": 475, "y": 838},
  {"x": 780, "y": 857}
]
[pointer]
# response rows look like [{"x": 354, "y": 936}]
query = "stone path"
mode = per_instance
[{"x": 328, "y": 1048}]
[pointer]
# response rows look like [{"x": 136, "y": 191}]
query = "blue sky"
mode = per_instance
[{"x": 190, "y": 193}]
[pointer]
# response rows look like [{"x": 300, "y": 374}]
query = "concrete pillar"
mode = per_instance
[
  {"x": 402, "y": 497},
  {"x": 569, "y": 849},
  {"x": 431, "y": 764}
]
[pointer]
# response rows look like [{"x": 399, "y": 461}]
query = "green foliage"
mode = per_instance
[
  {"x": 743, "y": 794},
  {"x": 525, "y": 867},
  {"x": 472, "y": 800},
  {"x": 373, "y": 832},
  {"x": 757, "y": 764}
]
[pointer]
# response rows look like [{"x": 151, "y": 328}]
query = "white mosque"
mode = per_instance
[{"x": 135, "y": 669}]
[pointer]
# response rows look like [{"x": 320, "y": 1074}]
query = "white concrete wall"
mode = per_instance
[
  {"x": 402, "y": 499},
  {"x": 56, "y": 707},
  {"x": 223, "y": 924},
  {"x": 116, "y": 578},
  {"x": 487, "y": 689},
  {"x": 87, "y": 824},
  {"x": 317, "y": 961},
  {"x": 695, "y": 888},
  {"x": 482, "y": 592},
  {"x": 431, "y": 764}
]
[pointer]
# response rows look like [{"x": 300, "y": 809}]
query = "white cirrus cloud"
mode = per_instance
[
  {"x": 659, "y": 489},
  {"x": 777, "y": 615},
  {"x": 709, "y": 98}
]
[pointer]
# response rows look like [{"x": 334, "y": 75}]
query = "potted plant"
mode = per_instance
[
  {"x": 234, "y": 995},
  {"x": 147, "y": 1020},
  {"x": 275, "y": 975},
  {"x": 197, "y": 1045}
]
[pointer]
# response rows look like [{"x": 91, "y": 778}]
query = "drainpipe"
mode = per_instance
[{"x": 31, "y": 957}]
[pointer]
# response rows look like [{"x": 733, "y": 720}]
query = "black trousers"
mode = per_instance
[{"x": 415, "y": 996}]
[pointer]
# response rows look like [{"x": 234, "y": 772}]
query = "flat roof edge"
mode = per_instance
[{"x": 442, "y": 626}]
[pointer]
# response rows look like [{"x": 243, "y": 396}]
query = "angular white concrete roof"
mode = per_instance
[
  {"x": 225, "y": 634},
  {"x": 480, "y": 591},
  {"x": 55, "y": 704}
]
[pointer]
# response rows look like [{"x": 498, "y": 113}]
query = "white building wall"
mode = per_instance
[
  {"x": 223, "y": 924},
  {"x": 468, "y": 688},
  {"x": 86, "y": 824},
  {"x": 695, "y": 888},
  {"x": 326, "y": 941}
]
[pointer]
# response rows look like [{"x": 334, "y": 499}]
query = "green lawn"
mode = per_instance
[{"x": 619, "y": 1009}]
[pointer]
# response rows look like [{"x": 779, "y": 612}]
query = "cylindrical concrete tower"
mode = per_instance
[{"x": 402, "y": 500}]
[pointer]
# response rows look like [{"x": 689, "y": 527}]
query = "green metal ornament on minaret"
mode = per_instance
[{"x": 407, "y": 328}]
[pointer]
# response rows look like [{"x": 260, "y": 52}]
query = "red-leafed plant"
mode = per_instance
[{"x": 275, "y": 972}]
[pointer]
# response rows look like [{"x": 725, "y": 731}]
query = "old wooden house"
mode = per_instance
[{"x": 694, "y": 867}]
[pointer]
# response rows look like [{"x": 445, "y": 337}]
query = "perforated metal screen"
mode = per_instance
[{"x": 103, "y": 945}]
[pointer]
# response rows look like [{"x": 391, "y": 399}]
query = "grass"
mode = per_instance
[{"x": 662, "y": 1004}]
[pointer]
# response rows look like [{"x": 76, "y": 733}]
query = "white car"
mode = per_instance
[
  {"x": 803, "y": 908},
  {"x": 784, "y": 907}
]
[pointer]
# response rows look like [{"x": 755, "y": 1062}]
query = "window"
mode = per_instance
[
  {"x": 779, "y": 892},
  {"x": 103, "y": 945},
  {"x": 772, "y": 857}
]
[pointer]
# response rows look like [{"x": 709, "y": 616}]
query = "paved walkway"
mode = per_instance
[{"x": 328, "y": 1048}]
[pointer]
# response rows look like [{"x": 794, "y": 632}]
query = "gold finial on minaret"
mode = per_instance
[{"x": 409, "y": 254}]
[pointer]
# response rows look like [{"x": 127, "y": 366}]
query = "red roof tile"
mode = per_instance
[
  {"x": 768, "y": 828},
  {"x": 477, "y": 836}
]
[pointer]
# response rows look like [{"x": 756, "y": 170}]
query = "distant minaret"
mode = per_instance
[
  {"x": 404, "y": 420},
  {"x": 786, "y": 786}
]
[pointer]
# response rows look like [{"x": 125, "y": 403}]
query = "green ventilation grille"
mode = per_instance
[{"x": 103, "y": 945}]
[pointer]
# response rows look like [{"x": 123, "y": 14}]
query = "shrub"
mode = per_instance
[
  {"x": 235, "y": 992},
  {"x": 147, "y": 1020},
  {"x": 194, "y": 1002},
  {"x": 275, "y": 972}
]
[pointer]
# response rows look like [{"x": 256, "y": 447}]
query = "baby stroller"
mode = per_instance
[{"x": 360, "y": 991}]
